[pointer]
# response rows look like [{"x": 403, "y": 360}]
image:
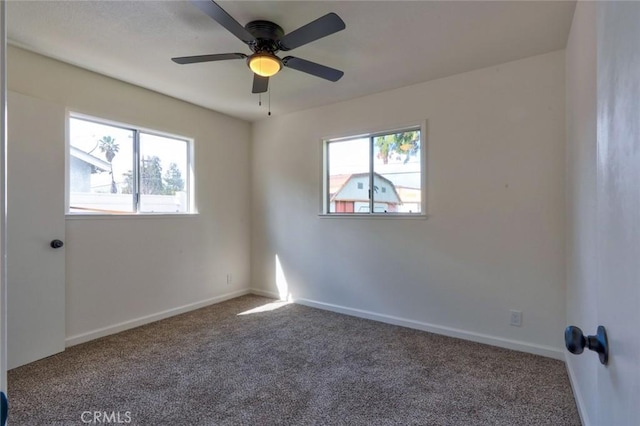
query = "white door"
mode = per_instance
[
  {"x": 618, "y": 210},
  {"x": 35, "y": 217}
]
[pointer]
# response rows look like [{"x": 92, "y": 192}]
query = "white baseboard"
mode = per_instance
[
  {"x": 577, "y": 395},
  {"x": 447, "y": 331},
  {"x": 126, "y": 325},
  {"x": 542, "y": 350},
  {"x": 265, "y": 293}
]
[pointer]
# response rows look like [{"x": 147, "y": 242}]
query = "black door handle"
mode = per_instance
[
  {"x": 4, "y": 409},
  {"x": 56, "y": 244},
  {"x": 575, "y": 342}
]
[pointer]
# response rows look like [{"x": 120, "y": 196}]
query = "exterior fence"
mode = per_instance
[{"x": 105, "y": 202}]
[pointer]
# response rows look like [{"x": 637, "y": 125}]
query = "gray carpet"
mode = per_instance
[{"x": 291, "y": 366}]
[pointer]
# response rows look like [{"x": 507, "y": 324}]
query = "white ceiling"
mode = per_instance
[{"x": 387, "y": 44}]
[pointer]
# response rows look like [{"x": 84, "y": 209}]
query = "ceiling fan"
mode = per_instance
[{"x": 265, "y": 39}]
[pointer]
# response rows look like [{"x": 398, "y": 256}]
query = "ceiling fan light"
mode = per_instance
[{"x": 265, "y": 65}]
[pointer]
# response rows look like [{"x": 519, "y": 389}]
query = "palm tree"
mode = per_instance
[{"x": 109, "y": 148}]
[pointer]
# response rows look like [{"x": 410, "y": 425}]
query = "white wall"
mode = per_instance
[
  {"x": 124, "y": 269},
  {"x": 494, "y": 240},
  {"x": 581, "y": 199}
]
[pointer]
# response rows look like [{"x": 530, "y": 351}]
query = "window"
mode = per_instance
[
  {"x": 380, "y": 173},
  {"x": 116, "y": 169}
]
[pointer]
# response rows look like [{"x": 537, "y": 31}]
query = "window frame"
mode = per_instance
[
  {"x": 136, "y": 199},
  {"x": 325, "y": 196}
]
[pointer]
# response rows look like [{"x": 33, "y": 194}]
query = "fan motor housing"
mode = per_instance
[{"x": 267, "y": 35}]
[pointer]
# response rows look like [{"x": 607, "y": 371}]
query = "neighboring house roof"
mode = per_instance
[
  {"x": 338, "y": 182},
  {"x": 409, "y": 195},
  {"x": 90, "y": 159}
]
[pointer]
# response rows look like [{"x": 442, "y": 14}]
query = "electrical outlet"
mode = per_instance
[
  {"x": 516, "y": 318},
  {"x": 229, "y": 278}
]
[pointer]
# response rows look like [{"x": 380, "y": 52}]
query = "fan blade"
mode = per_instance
[
  {"x": 312, "y": 68},
  {"x": 208, "y": 58},
  {"x": 321, "y": 27},
  {"x": 212, "y": 9},
  {"x": 260, "y": 84}
]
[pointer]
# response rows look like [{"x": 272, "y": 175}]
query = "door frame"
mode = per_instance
[{"x": 3, "y": 198}]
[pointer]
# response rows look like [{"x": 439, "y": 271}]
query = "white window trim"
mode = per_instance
[
  {"x": 324, "y": 202},
  {"x": 189, "y": 178}
]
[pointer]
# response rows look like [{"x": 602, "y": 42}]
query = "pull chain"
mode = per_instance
[{"x": 268, "y": 100}]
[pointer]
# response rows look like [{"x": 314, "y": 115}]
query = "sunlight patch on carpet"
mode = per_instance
[{"x": 266, "y": 308}]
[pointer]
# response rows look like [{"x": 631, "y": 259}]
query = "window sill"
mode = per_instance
[
  {"x": 372, "y": 216},
  {"x": 99, "y": 216}
]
